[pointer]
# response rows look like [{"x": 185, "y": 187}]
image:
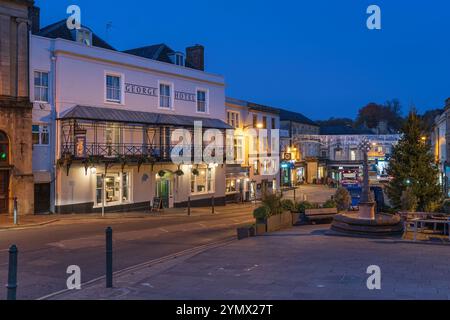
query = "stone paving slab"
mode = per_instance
[{"x": 299, "y": 264}]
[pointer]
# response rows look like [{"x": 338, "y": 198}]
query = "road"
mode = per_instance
[{"x": 46, "y": 252}]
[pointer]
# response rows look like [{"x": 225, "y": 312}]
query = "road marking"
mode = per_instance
[{"x": 187, "y": 252}]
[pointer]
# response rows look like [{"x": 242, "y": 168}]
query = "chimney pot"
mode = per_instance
[{"x": 34, "y": 15}]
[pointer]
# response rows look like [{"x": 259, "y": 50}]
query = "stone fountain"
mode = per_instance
[{"x": 365, "y": 222}]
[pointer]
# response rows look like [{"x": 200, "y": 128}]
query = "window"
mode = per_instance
[
  {"x": 353, "y": 154},
  {"x": 273, "y": 123},
  {"x": 203, "y": 180},
  {"x": 201, "y": 101},
  {"x": 84, "y": 36},
  {"x": 255, "y": 121},
  {"x": 233, "y": 119},
  {"x": 113, "y": 89},
  {"x": 40, "y": 135},
  {"x": 232, "y": 185},
  {"x": 165, "y": 100},
  {"x": 264, "y": 120},
  {"x": 239, "y": 150},
  {"x": 256, "y": 167},
  {"x": 40, "y": 86},
  {"x": 117, "y": 188}
]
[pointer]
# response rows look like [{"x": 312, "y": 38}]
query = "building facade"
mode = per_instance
[
  {"x": 341, "y": 158},
  {"x": 440, "y": 138},
  {"x": 104, "y": 124},
  {"x": 256, "y": 150},
  {"x": 16, "y": 176},
  {"x": 300, "y": 156}
]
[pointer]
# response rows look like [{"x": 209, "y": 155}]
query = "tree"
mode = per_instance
[
  {"x": 413, "y": 168},
  {"x": 372, "y": 114},
  {"x": 336, "y": 122}
]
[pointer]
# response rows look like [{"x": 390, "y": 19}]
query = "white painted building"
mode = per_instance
[{"x": 103, "y": 121}]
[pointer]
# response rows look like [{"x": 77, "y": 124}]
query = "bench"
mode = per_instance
[{"x": 320, "y": 214}]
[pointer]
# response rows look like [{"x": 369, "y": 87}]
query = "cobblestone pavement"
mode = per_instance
[{"x": 299, "y": 263}]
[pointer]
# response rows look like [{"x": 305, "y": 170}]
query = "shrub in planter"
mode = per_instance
[
  {"x": 342, "y": 198},
  {"x": 302, "y": 206},
  {"x": 261, "y": 213},
  {"x": 330, "y": 204},
  {"x": 273, "y": 203},
  {"x": 287, "y": 205}
]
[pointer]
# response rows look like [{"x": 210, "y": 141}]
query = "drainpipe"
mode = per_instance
[{"x": 53, "y": 133}]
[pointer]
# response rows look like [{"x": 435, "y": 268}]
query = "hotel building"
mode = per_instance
[{"x": 103, "y": 121}]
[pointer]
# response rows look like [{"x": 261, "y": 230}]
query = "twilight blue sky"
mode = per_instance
[{"x": 315, "y": 57}]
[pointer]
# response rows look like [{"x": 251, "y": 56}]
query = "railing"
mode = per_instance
[{"x": 114, "y": 151}]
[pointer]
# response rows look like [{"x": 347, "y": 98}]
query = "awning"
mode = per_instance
[{"x": 139, "y": 117}]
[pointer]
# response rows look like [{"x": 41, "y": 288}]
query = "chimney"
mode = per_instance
[
  {"x": 34, "y": 15},
  {"x": 195, "y": 57}
]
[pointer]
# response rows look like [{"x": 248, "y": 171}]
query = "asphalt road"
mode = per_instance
[{"x": 46, "y": 252}]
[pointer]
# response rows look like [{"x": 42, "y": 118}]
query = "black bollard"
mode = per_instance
[
  {"x": 212, "y": 205},
  {"x": 109, "y": 248},
  {"x": 12, "y": 273},
  {"x": 189, "y": 206},
  {"x": 294, "y": 193}
]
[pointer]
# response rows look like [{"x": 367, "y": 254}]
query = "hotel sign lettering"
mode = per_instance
[
  {"x": 153, "y": 92},
  {"x": 184, "y": 96},
  {"x": 141, "y": 90}
]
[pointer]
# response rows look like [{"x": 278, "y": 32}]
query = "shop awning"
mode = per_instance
[{"x": 139, "y": 117}]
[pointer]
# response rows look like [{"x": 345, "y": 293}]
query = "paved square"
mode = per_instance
[{"x": 299, "y": 263}]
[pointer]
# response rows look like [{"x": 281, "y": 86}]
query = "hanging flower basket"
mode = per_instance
[
  {"x": 195, "y": 172},
  {"x": 161, "y": 173},
  {"x": 179, "y": 172}
]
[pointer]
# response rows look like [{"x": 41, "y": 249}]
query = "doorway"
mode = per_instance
[
  {"x": 42, "y": 197},
  {"x": 4, "y": 191},
  {"x": 164, "y": 191}
]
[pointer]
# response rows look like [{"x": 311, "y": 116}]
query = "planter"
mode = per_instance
[
  {"x": 260, "y": 228},
  {"x": 243, "y": 233},
  {"x": 295, "y": 217}
]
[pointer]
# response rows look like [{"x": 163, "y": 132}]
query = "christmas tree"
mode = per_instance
[{"x": 413, "y": 168}]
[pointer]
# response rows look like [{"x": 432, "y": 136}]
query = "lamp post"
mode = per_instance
[{"x": 366, "y": 206}]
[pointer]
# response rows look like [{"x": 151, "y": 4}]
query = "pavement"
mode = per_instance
[
  {"x": 301, "y": 263},
  {"x": 45, "y": 252}
]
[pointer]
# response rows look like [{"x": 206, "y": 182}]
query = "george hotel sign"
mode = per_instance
[{"x": 153, "y": 92}]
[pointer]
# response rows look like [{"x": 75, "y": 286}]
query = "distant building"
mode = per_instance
[
  {"x": 300, "y": 156},
  {"x": 16, "y": 176},
  {"x": 340, "y": 155},
  {"x": 440, "y": 141},
  {"x": 252, "y": 175}
]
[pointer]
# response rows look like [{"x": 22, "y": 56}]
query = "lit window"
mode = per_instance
[
  {"x": 40, "y": 86},
  {"x": 203, "y": 181},
  {"x": 113, "y": 89},
  {"x": 40, "y": 135},
  {"x": 117, "y": 189},
  {"x": 232, "y": 185},
  {"x": 165, "y": 96},
  {"x": 201, "y": 101},
  {"x": 233, "y": 119}
]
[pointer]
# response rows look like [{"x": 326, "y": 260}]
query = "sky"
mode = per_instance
[{"x": 314, "y": 57}]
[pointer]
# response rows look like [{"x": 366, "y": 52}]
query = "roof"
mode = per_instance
[
  {"x": 343, "y": 130},
  {"x": 160, "y": 52},
  {"x": 139, "y": 117},
  {"x": 286, "y": 115},
  {"x": 59, "y": 30}
]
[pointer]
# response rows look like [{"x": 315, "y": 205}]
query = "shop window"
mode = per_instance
[
  {"x": 117, "y": 189},
  {"x": 40, "y": 135}
]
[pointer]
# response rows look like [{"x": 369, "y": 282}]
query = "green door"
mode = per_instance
[{"x": 163, "y": 191}]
